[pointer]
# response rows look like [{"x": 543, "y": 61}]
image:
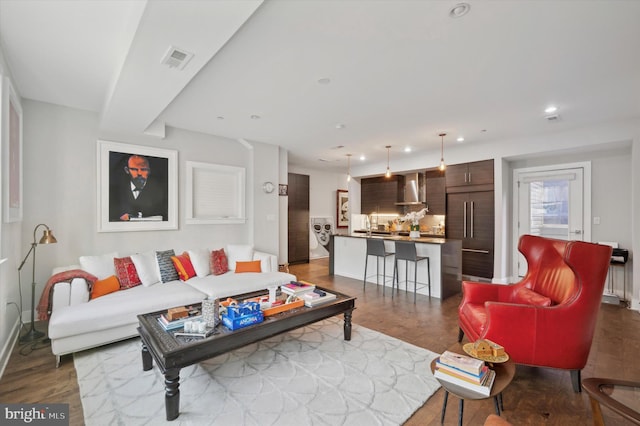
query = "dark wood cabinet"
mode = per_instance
[
  {"x": 380, "y": 194},
  {"x": 436, "y": 195},
  {"x": 469, "y": 174},
  {"x": 470, "y": 218},
  {"x": 298, "y": 222}
]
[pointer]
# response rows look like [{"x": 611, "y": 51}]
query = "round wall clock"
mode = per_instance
[{"x": 268, "y": 187}]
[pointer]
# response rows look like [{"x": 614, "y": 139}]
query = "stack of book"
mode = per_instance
[
  {"x": 297, "y": 288},
  {"x": 317, "y": 297},
  {"x": 177, "y": 323},
  {"x": 466, "y": 372}
]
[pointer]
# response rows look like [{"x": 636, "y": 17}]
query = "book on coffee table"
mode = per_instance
[
  {"x": 317, "y": 297},
  {"x": 297, "y": 288}
]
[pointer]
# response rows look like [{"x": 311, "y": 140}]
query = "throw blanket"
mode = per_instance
[{"x": 44, "y": 306}]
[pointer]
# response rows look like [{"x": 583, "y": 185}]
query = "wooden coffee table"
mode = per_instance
[
  {"x": 172, "y": 353},
  {"x": 504, "y": 375}
]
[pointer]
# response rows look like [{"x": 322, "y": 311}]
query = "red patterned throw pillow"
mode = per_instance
[
  {"x": 126, "y": 272},
  {"x": 183, "y": 266},
  {"x": 219, "y": 263}
]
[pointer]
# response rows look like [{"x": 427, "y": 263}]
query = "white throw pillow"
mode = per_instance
[
  {"x": 200, "y": 260},
  {"x": 264, "y": 258},
  {"x": 238, "y": 253},
  {"x": 100, "y": 266},
  {"x": 147, "y": 268}
]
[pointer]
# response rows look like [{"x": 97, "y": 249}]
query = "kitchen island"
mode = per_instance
[{"x": 347, "y": 259}]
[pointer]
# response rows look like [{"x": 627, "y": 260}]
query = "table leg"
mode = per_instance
[
  {"x": 460, "y": 411},
  {"x": 172, "y": 393},
  {"x": 496, "y": 403},
  {"x": 147, "y": 361},
  {"x": 597, "y": 412},
  {"x": 501, "y": 401},
  {"x": 444, "y": 406},
  {"x": 347, "y": 325}
]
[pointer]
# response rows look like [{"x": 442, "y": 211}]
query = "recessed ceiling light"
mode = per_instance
[
  {"x": 338, "y": 147},
  {"x": 460, "y": 139},
  {"x": 459, "y": 10},
  {"x": 550, "y": 109},
  {"x": 340, "y": 126},
  {"x": 220, "y": 117},
  {"x": 484, "y": 130},
  {"x": 407, "y": 149},
  {"x": 255, "y": 117},
  {"x": 324, "y": 80},
  {"x": 362, "y": 158}
]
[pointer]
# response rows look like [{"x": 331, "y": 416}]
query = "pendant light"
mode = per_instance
[
  {"x": 442, "y": 165},
  {"x": 348, "y": 167},
  {"x": 388, "y": 173}
]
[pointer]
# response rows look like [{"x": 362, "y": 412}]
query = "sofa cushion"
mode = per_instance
[
  {"x": 183, "y": 266},
  {"x": 147, "y": 267},
  {"x": 200, "y": 259},
  {"x": 120, "y": 308},
  {"x": 250, "y": 266},
  {"x": 219, "y": 263},
  {"x": 126, "y": 272},
  {"x": 524, "y": 296},
  {"x": 106, "y": 286},
  {"x": 232, "y": 284},
  {"x": 238, "y": 252},
  {"x": 265, "y": 261},
  {"x": 100, "y": 266},
  {"x": 165, "y": 264}
]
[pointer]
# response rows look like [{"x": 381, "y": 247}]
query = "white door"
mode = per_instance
[{"x": 550, "y": 202}]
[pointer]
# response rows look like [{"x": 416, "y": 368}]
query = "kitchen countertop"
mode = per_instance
[{"x": 390, "y": 237}]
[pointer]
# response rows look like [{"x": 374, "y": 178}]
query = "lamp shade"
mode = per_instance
[{"x": 47, "y": 237}]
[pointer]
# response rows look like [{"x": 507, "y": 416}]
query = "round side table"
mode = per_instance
[{"x": 504, "y": 375}]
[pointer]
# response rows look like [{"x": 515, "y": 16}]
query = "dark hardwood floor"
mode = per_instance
[{"x": 536, "y": 396}]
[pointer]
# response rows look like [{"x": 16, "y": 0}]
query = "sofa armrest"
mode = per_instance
[{"x": 268, "y": 261}]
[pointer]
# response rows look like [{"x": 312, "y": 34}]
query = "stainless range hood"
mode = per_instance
[{"x": 414, "y": 190}]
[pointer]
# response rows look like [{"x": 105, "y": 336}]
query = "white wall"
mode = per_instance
[
  {"x": 60, "y": 189},
  {"x": 323, "y": 195},
  {"x": 10, "y": 248}
]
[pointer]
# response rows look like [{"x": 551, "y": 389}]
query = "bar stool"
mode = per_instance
[
  {"x": 375, "y": 247},
  {"x": 406, "y": 250}
]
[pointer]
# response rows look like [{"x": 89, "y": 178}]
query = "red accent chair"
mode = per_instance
[{"x": 549, "y": 317}]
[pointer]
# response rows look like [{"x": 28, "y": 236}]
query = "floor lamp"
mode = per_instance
[{"x": 47, "y": 238}]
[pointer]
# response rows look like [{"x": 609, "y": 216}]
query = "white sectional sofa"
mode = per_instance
[{"x": 78, "y": 323}]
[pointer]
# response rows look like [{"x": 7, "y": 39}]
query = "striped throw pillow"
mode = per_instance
[{"x": 165, "y": 264}]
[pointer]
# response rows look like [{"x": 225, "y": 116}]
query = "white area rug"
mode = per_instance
[{"x": 306, "y": 376}]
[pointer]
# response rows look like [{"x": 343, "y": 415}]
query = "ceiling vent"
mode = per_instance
[{"x": 176, "y": 58}]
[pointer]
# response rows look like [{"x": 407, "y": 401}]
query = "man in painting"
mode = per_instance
[{"x": 137, "y": 197}]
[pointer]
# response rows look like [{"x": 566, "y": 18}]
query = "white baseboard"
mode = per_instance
[{"x": 7, "y": 348}]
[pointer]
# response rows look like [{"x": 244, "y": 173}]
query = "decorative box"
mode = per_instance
[{"x": 242, "y": 315}]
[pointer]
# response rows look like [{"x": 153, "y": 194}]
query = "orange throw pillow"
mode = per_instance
[
  {"x": 251, "y": 266},
  {"x": 183, "y": 266},
  {"x": 106, "y": 286}
]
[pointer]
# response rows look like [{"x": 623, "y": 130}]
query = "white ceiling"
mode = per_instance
[{"x": 401, "y": 72}]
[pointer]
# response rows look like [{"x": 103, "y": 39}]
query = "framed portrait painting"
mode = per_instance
[
  {"x": 137, "y": 188},
  {"x": 11, "y": 151},
  {"x": 342, "y": 215}
]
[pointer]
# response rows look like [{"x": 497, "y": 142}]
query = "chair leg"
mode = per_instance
[
  {"x": 364, "y": 280},
  {"x": 460, "y": 335},
  {"x": 415, "y": 281},
  {"x": 384, "y": 274},
  {"x": 377, "y": 270},
  {"x": 429, "y": 275},
  {"x": 575, "y": 381},
  {"x": 393, "y": 278}
]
